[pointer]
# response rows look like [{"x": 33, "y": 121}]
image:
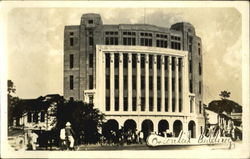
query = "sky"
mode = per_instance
[{"x": 35, "y": 44}]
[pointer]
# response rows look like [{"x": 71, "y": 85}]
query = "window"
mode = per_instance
[
  {"x": 35, "y": 117},
  {"x": 146, "y": 39},
  {"x": 134, "y": 60},
  {"x": 125, "y": 60},
  {"x": 173, "y": 84},
  {"x": 191, "y": 86},
  {"x": 134, "y": 82},
  {"x": 151, "y": 104},
  {"x": 107, "y": 56},
  {"x": 91, "y": 61},
  {"x": 71, "y": 41},
  {"x": 116, "y": 60},
  {"x": 91, "y": 41},
  {"x": 107, "y": 82},
  {"x": 190, "y": 66},
  {"x": 71, "y": 82},
  {"x": 71, "y": 61},
  {"x": 107, "y": 103},
  {"x": 166, "y": 104},
  {"x": 90, "y": 21},
  {"x": 42, "y": 119},
  {"x": 176, "y": 45},
  {"x": 142, "y": 103},
  {"x": 116, "y": 81},
  {"x": 158, "y": 62},
  {"x": 134, "y": 103},
  {"x": 125, "y": 103},
  {"x": 190, "y": 48},
  {"x": 125, "y": 82},
  {"x": 200, "y": 70},
  {"x": 199, "y": 87},
  {"x": 180, "y": 88},
  {"x": 150, "y": 82},
  {"x": 166, "y": 63},
  {"x": 162, "y": 43},
  {"x": 158, "y": 104},
  {"x": 166, "y": 83},
  {"x": 111, "y": 40},
  {"x": 29, "y": 117},
  {"x": 180, "y": 105},
  {"x": 173, "y": 64},
  {"x": 91, "y": 84},
  {"x": 173, "y": 104},
  {"x": 116, "y": 103},
  {"x": 142, "y": 61},
  {"x": 199, "y": 51},
  {"x": 201, "y": 128},
  {"x": 71, "y": 33},
  {"x": 158, "y": 83},
  {"x": 200, "y": 107},
  {"x": 129, "y": 41},
  {"x": 142, "y": 82},
  {"x": 150, "y": 61}
]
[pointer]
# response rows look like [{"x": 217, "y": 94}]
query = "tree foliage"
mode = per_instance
[
  {"x": 84, "y": 118},
  {"x": 225, "y": 104},
  {"x": 224, "y": 94}
]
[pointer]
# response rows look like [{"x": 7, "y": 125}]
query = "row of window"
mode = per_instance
[
  {"x": 34, "y": 117},
  {"x": 90, "y": 84},
  {"x": 142, "y": 61},
  {"x": 134, "y": 83},
  {"x": 141, "y": 105}
]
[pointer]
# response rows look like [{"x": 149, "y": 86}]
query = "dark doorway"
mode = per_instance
[
  {"x": 147, "y": 128},
  {"x": 191, "y": 129},
  {"x": 177, "y": 128}
]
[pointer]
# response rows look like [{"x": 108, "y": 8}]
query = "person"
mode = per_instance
[
  {"x": 141, "y": 136},
  {"x": 69, "y": 135},
  {"x": 32, "y": 139}
]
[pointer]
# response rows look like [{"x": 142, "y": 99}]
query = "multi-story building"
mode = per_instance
[{"x": 141, "y": 76}]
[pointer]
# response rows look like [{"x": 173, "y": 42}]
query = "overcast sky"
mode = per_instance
[{"x": 35, "y": 44}]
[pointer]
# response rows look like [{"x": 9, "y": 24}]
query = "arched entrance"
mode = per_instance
[
  {"x": 191, "y": 129},
  {"x": 130, "y": 124},
  {"x": 177, "y": 128},
  {"x": 147, "y": 127},
  {"x": 162, "y": 126}
]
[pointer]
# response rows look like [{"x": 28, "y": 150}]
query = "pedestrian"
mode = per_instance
[
  {"x": 141, "y": 136},
  {"x": 69, "y": 135},
  {"x": 32, "y": 140}
]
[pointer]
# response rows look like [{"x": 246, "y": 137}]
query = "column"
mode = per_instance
[
  {"x": 170, "y": 83},
  {"x": 146, "y": 83},
  {"x": 155, "y": 83},
  {"x": 112, "y": 82},
  {"x": 162, "y": 84},
  {"x": 177, "y": 84},
  {"x": 138, "y": 82},
  {"x": 129, "y": 81},
  {"x": 120, "y": 81},
  {"x": 182, "y": 83}
]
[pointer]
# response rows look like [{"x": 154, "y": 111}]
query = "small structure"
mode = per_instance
[{"x": 38, "y": 114}]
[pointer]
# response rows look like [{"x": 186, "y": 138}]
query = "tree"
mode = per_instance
[
  {"x": 224, "y": 94},
  {"x": 84, "y": 118},
  {"x": 12, "y": 102},
  {"x": 224, "y": 104}
]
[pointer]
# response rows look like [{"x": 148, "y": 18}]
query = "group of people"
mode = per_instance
[{"x": 121, "y": 137}]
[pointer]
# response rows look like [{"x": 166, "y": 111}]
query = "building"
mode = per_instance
[
  {"x": 38, "y": 114},
  {"x": 141, "y": 76}
]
